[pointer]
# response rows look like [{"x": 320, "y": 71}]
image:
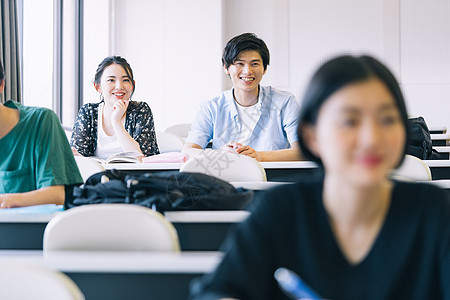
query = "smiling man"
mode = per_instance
[{"x": 249, "y": 119}]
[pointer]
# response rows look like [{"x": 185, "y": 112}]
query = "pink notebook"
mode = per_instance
[{"x": 169, "y": 157}]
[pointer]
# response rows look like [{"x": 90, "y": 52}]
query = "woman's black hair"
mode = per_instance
[
  {"x": 244, "y": 42},
  {"x": 114, "y": 60},
  {"x": 334, "y": 75}
]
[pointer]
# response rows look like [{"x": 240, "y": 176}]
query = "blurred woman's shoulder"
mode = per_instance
[{"x": 421, "y": 198}]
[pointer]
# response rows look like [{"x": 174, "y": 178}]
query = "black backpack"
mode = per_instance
[
  {"x": 161, "y": 191},
  {"x": 420, "y": 144}
]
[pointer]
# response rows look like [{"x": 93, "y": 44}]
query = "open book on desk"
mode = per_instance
[{"x": 122, "y": 157}]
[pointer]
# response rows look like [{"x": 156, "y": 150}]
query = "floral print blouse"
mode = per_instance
[{"x": 138, "y": 124}]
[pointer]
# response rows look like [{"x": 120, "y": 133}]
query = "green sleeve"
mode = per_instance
[{"x": 55, "y": 162}]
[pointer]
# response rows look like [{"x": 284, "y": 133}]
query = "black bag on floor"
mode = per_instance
[
  {"x": 420, "y": 144},
  {"x": 162, "y": 191}
]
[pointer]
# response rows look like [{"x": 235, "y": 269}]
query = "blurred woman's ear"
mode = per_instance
[
  {"x": 2, "y": 86},
  {"x": 309, "y": 137}
]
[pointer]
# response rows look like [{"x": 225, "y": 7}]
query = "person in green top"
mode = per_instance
[{"x": 36, "y": 163}]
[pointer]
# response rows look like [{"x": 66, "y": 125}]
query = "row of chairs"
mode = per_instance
[
  {"x": 224, "y": 165},
  {"x": 235, "y": 167},
  {"x": 22, "y": 280},
  {"x": 172, "y": 138},
  {"x": 76, "y": 228},
  {"x": 124, "y": 227}
]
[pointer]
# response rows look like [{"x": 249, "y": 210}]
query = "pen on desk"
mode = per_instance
[{"x": 292, "y": 285}]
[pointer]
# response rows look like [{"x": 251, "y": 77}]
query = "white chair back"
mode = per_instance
[
  {"x": 22, "y": 280},
  {"x": 182, "y": 129},
  {"x": 226, "y": 166},
  {"x": 169, "y": 142},
  {"x": 110, "y": 227},
  {"x": 412, "y": 169},
  {"x": 88, "y": 166}
]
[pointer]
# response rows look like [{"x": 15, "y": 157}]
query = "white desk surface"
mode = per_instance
[
  {"x": 257, "y": 185},
  {"x": 442, "y": 183},
  {"x": 17, "y": 218},
  {"x": 440, "y": 136},
  {"x": 30, "y": 214},
  {"x": 266, "y": 165},
  {"x": 118, "y": 262},
  {"x": 298, "y": 164},
  {"x": 441, "y": 163},
  {"x": 438, "y": 128},
  {"x": 144, "y": 166},
  {"x": 177, "y": 166},
  {"x": 207, "y": 216},
  {"x": 442, "y": 149}
]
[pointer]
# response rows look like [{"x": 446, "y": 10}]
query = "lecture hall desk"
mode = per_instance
[
  {"x": 23, "y": 228},
  {"x": 440, "y": 139},
  {"x": 278, "y": 171},
  {"x": 440, "y": 169},
  {"x": 197, "y": 231},
  {"x": 275, "y": 171},
  {"x": 124, "y": 275},
  {"x": 437, "y": 129},
  {"x": 443, "y": 151}
]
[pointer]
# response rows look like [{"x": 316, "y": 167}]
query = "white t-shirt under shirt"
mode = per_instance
[
  {"x": 106, "y": 145},
  {"x": 248, "y": 117}
]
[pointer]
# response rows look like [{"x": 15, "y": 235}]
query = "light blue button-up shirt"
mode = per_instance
[{"x": 276, "y": 129}]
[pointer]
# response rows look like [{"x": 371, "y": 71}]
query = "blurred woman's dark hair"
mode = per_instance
[{"x": 337, "y": 73}]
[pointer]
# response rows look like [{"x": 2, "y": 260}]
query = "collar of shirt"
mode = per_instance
[
  {"x": 12, "y": 104},
  {"x": 232, "y": 102}
]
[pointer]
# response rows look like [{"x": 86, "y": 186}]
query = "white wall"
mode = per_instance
[
  {"x": 175, "y": 46},
  {"x": 425, "y": 58},
  {"x": 98, "y": 15},
  {"x": 37, "y": 61},
  {"x": 411, "y": 36}
]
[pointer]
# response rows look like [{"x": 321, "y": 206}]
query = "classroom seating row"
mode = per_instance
[
  {"x": 440, "y": 139},
  {"x": 23, "y": 228},
  {"x": 139, "y": 275},
  {"x": 197, "y": 230},
  {"x": 276, "y": 171},
  {"x": 117, "y": 251},
  {"x": 106, "y": 275}
]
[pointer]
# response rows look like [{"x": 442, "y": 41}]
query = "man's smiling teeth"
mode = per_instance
[{"x": 247, "y": 79}]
